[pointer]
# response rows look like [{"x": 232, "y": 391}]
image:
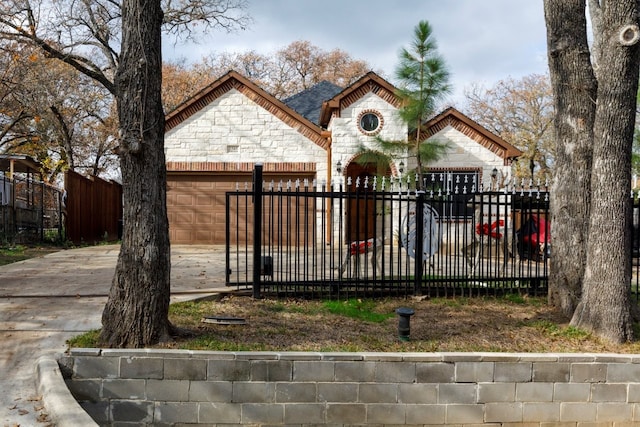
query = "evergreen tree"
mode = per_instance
[{"x": 423, "y": 82}]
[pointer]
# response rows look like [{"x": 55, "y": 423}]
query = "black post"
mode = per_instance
[
  {"x": 227, "y": 237},
  {"x": 419, "y": 261},
  {"x": 257, "y": 228},
  {"x": 404, "y": 322}
]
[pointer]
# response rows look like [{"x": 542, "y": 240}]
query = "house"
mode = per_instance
[{"x": 214, "y": 139}]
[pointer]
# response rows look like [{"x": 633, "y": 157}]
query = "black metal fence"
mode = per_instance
[
  {"x": 381, "y": 237},
  {"x": 30, "y": 211}
]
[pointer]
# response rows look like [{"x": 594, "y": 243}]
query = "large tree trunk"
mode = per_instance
[
  {"x": 574, "y": 88},
  {"x": 136, "y": 313},
  {"x": 605, "y": 304}
]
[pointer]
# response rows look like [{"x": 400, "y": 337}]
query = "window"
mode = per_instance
[
  {"x": 370, "y": 122},
  {"x": 451, "y": 191}
]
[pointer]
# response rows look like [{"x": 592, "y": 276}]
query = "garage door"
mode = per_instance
[{"x": 196, "y": 206}]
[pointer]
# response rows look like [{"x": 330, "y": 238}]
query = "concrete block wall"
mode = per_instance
[{"x": 147, "y": 387}]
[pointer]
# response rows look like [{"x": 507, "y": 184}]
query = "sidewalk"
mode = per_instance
[{"x": 45, "y": 301}]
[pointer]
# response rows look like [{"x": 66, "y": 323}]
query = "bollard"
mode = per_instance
[{"x": 404, "y": 322}]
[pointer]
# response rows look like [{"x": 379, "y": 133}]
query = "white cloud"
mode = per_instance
[{"x": 482, "y": 41}]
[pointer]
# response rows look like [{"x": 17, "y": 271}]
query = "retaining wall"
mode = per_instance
[{"x": 145, "y": 387}]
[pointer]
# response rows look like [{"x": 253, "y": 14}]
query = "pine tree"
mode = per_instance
[{"x": 423, "y": 83}]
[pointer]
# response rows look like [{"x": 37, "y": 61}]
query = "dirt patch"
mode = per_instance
[{"x": 515, "y": 324}]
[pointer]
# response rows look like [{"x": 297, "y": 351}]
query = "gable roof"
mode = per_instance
[
  {"x": 370, "y": 82},
  {"x": 463, "y": 124},
  {"x": 309, "y": 102},
  {"x": 234, "y": 80}
]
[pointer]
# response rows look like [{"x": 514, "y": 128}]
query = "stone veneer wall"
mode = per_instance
[
  {"x": 145, "y": 387},
  {"x": 234, "y": 129}
]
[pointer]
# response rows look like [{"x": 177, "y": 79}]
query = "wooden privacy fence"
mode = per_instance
[{"x": 93, "y": 209}]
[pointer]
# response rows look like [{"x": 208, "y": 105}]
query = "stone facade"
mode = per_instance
[
  {"x": 232, "y": 124},
  {"x": 146, "y": 387},
  {"x": 348, "y": 140},
  {"x": 234, "y": 129},
  {"x": 465, "y": 153}
]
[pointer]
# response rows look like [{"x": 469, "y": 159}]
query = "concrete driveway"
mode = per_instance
[{"x": 45, "y": 301}]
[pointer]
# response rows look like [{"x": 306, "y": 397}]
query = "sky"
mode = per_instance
[{"x": 482, "y": 41}]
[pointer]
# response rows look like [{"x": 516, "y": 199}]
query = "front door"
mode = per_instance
[{"x": 361, "y": 207}]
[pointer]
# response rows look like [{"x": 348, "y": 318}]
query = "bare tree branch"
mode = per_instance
[{"x": 180, "y": 15}]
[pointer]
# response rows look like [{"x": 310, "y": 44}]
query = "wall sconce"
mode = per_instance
[
  {"x": 339, "y": 167},
  {"x": 494, "y": 173},
  {"x": 401, "y": 166}
]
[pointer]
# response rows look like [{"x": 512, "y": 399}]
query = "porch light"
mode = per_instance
[
  {"x": 339, "y": 167},
  {"x": 494, "y": 173},
  {"x": 401, "y": 166}
]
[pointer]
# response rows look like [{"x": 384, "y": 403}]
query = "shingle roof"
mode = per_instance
[{"x": 309, "y": 102}]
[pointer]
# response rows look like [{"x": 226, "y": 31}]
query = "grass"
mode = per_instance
[
  {"x": 86, "y": 340},
  {"x": 513, "y": 323},
  {"x": 14, "y": 253},
  {"x": 364, "y": 310}
]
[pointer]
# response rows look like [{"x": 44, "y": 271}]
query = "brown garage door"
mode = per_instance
[{"x": 196, "y": 205}]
